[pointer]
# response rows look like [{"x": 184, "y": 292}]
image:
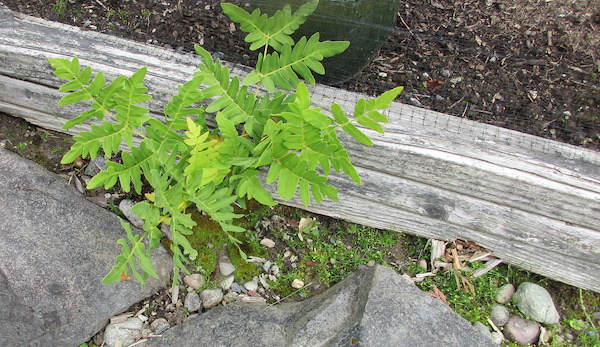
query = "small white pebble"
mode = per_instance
[{"x": 297, "y": 283}]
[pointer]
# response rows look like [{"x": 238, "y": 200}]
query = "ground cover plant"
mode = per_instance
[{"x": 190, "y": 167}]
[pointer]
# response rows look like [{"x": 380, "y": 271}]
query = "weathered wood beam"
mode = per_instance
[{"x": 534, "y": 202}]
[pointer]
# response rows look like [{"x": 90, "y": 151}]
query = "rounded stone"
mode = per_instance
[
  {"x": 128, "y": 331},
  {"x": 497, "y": 337},
  {"x": 499, "y": 315},
  {"x": 195, "y": 281},
  {"x": 522, "y": 331},
  {"x": 226, "y": 283},
  {"x": 297, "y": 283},
  {"x": 534, "y": 301},
  {"x": 211, "y": 297},
  {"x": 159, "y": 325},
  {"x": 192, "y": 302},
  {"x": 226, "y": 268},
  {"x": 251, "y": 285},
  {"x": 235, "y": 287},
  {"x": 125, "y": 207},
  {"x": 505, "y": 293}
]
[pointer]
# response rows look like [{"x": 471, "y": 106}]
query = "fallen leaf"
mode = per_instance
[
  {"x": 311, "y": 263},
  {"x": 434, "y": 84}
]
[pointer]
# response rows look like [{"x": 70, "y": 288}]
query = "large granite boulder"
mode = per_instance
[
  {"x": 372, "y": 307},
  {"x": 55, "y": 248}
]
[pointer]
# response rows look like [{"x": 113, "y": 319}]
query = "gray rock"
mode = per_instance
[
  {"x": 211, "y": 297},
  {"x": 251, "y": 285},
  {"x": 192, "y": 302},
  {"x": 226, "y": 268},
  {"x": 128, "y": 332},
  {"x": 267, "y": 266},
  {"x": 521, "y": 331},
  {"x": 372, "y": 307},
  {"x": 497, "y": 337},
  {"x": 226, "y": 282},
  {"x": 505, "y": 293},
  {"x": 95, "y": 166},
  {"x": 125, "y": 207},
  {"x": 499, "y": 315},
  {"x": 482, "y": 329},
  {"x": 50, "y": 285},
  {"x": 195, "y": 281},
  {"x": 235, "y": 287},
  {"x": 160, "y": 325},
  {"x": 535, "y": 301}
]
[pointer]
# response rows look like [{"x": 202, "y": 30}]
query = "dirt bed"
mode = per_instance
[{"x": 531, "y": 66}]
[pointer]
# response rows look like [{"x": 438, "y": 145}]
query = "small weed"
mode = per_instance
[
  {"x": 110, "y": 14},
  {"x": 21, "y": 146},
  {"x": 60, "y": 8}
]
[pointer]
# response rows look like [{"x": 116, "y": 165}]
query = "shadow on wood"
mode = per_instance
[{"x": 535, "y": 203}]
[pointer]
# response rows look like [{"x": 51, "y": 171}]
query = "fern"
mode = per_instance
[{"x": 190, "y": 167}]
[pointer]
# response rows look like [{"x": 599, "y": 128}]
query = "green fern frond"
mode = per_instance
[
  {"x": 272, "y": 31},
  {"x": 282, "y": 69},
  {"x": 133, "y": 254}
]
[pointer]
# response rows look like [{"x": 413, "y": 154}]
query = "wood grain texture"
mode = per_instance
[{"x": 535, "y": 203}]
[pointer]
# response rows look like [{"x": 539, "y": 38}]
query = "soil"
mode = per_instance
[{"x": 527, "y": 65}]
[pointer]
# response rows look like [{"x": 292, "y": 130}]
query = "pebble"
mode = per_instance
[
  {"x": 95, "y": 166},
  {"x": 235, "y": 287},
  {"x": 211, "y": 297},
  {"x": 497, "y": 337},
  {"x": 231, "y": 297},
  {"x": 159, "y": 326},
  {"x": 505, "y": 293},
  {"x": 226, "y": 267},
  {"x": 422, "y": 263},
  {"x": 128, "y": 332},
  {"x": 456, "y": 80},
  {"x": 195, "y": 281},
  {"x": 446, "y": 73},
  {"x": 125, "y": 207},
  {"x": 482, "y": 329},
  {"x": 251, "y": 285},
  {"x": 522, "y": 331},
  {"x": 226, "y": 283},
  {"x": 266, "y": 266},
  {"x": 192, "y": 302},
  {"x": 371, "y": 263},
  {"x": 499, "y": 315},
  {"x": 275, "y": 269},
  {"x": 297, "y": 283},
  {"x": 267, "y": 243},
  {"x": 535, "y": 302}
]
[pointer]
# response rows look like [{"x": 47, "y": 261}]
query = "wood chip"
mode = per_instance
[
  {"x": 438, "y": 249},
  {"x": 175, "y": 295},
  {"x": 120, "y": 318},
  {"x": 479, "y": 255},
  {"x": 267, "y": 243},
  {"x": 488, "y": 266},
  {"x": 455, "y": 261}
]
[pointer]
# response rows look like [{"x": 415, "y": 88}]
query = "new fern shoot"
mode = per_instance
[{"x": 191, "y": 167}]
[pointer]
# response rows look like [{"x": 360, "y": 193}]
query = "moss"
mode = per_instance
[{"x": 208, "y": 238}]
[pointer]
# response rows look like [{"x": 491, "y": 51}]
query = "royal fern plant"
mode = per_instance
[{"x": 263, "y": 122}]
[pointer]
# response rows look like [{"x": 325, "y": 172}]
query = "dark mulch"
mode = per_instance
[{"x": 526, "y": 65}]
